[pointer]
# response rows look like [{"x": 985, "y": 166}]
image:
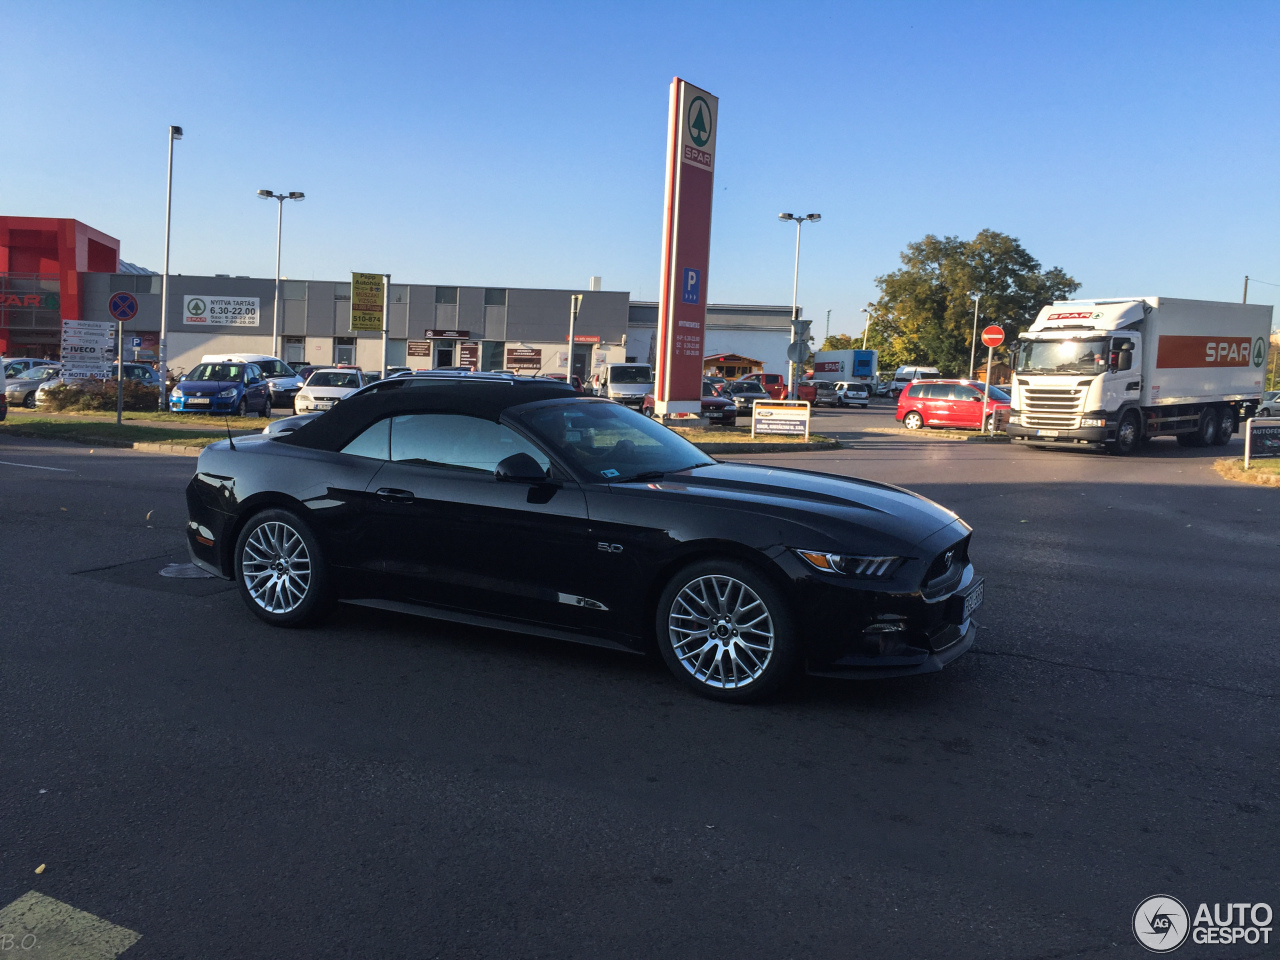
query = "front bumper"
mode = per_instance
[
  {"x": 283, "y": 395},
  {"x": 1017, "y": 431},
  {"x": 185, "y": 404},
  {"x": 313, "y": 406}
]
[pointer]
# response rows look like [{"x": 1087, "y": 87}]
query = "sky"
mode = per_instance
[{"x": 1135, "y": 145}]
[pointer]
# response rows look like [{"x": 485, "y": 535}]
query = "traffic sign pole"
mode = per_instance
[
  {"x": 120, "y": 371},
  {"x": 992, "y": 336}
]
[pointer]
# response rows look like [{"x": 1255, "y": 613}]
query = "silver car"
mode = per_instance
[{"x": 20, "y": 390}]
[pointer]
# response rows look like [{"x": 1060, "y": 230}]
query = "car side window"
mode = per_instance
[
  {"x": 916, "y": 390},
  {"x": 374, "y": 443},
  {"x": 252, "y": 373},
  {"x": 457, "y": 442},
  {"x": 966, "y": 393}
]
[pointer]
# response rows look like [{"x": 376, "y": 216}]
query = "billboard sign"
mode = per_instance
[
  {"x": 788, "y": 417},
  {"x": 686, "y": 244},
  {"x": 1261, "y": 438},
  {"x": 418, "y": 348},
  {"x": 368, "y": 298},
  {"x": 524, "y": 358},
  {"x": 201, "y": 311}
]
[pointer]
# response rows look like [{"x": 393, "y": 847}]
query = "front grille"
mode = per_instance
[{"x": 1052, "y": 406}]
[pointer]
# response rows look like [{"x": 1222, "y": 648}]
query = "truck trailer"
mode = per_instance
[
  {"x": 1113, "y": 373},
  {"x": 857, "y": 366}
]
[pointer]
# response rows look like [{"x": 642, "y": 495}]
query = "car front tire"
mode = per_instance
[
  {"x": 279, "y": 570},
  {"x": 726, "y": 632},
  {"x": 29, "y": 401}
]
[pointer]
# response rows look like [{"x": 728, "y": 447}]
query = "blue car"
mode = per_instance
[{"x": 225, "y": 388}]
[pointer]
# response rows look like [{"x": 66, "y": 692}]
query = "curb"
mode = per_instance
[
  {"x": 142, "y": 446},
  {"x": 767, "y": 447},
  {"x": 926, "y": 432},
  {"x": 172, "y": 449}
]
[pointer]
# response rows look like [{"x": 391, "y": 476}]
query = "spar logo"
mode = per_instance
[
  {"x": 699, "y": 122},
  {"x": 196, "y": 307},
  {"x": 1259, "y": 352},
  {"x": 1162, "y": 924}
]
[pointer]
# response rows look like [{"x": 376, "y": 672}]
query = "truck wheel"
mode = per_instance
[
  {"x": 1128, "y": 433},
  {"x": 1226, "y": 427},
  {"x": 1207, "y": 433}
]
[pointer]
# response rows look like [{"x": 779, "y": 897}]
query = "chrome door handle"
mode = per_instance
[{"x": 394, "y": 495}]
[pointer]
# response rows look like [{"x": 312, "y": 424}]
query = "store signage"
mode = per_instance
[
  {"x": 790, "y": 417},
  {"x": 418, "y": 348},
  {"x": 88, "y": 347},
  {"x": 583, "y": 338},
  {"x": 1261, "y": 438},
  {"x": 200, "y": 311},
  {"x": 447, "y": 334},
  {"x": 524, "y": 358},
  {"x": 43, "y": 301},
  {"x": 469, "y": 355},
  {"x": 686, "y": 245},
  {"x": 368, "y": 299}
]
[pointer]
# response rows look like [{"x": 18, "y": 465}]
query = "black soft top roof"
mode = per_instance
[{"x": 472, "y": 397}]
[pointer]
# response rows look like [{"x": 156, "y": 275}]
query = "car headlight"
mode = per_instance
[
  {"x": 873, "y": 568},
  {"x": 177, "y": 394},
  {"x": 229, "y": 392},
  {"x": 1092, "y": 422}
]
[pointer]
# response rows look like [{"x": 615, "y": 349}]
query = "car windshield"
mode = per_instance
[
  {"x": 709, "y": 389},
  {"x": 217, "y": 371},
  {"x": 637, "y": 374},
  {"x": 748, "y": 387},
  {"x": 1063, "y": 356},
  {"x": 611, "y": 443},
  {"x": 37, "y": 373},
  {"x": 333, "y": 378},
  {"x": 275, "y": 368}
]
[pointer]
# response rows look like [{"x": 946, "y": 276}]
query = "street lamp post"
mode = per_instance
[
  {"x": 175, "y": 133},
  {"x": 795, "y": 291},
  {"x": 280, "y": 198},
  {"x": 867, "y": 329},
  {"x": 973, "y": 342}
]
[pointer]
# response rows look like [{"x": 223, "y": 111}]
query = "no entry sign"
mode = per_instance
[{"x": 992, "y": 336}]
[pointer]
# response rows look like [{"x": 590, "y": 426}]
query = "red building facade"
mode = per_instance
[{"x": 41, "y": 259}]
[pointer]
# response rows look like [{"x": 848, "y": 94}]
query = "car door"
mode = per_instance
[
  {"x": 455, "y": 536},
  {"x": 966, "y": 407}
]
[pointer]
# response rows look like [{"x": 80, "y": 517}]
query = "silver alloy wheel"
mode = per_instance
[
  {"x": 276, "y": 567},
  {"x": 913, "y": 421},
  {"x": 721, "y": 631},
  {"x": 1127, "y": 433}
]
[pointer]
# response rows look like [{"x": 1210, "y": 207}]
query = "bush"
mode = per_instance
[{"x": 89, "y": 395}]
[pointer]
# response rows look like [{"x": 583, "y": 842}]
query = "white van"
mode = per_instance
[
  {"x": 903, "y": 377},
  {"x": 284, "y": 383}
]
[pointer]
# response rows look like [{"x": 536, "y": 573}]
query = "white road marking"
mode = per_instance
[
  {"x": 32, "y": 466},
  {"x": 40, "y": 926}
]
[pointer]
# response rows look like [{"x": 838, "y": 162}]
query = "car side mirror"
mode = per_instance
[{"x": 520, "y": 468}]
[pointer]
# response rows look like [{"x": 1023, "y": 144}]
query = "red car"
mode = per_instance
[
  {"x": 715, "y": 407},
  {"x": 775, "y": 384},
  {"x": 948, "y": 403},
  {"x": 577, "y": 381}
]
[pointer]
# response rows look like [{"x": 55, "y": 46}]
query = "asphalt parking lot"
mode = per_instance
[{"x": 389, "y": 787}]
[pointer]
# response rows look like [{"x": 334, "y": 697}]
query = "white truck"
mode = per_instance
[
  {"x": 1116, "y": 372},
  {"x": 625, "y": 382},
  {"x": 851, "y": 366}
]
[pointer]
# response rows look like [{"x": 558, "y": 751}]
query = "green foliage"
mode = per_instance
[
  {"x": 87, "y": 395},
  {"x": 841, "y": 341},
  {"x": 924, "y": 314}
]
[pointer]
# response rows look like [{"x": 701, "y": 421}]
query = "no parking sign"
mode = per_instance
[{"x": 123, "y": 306}]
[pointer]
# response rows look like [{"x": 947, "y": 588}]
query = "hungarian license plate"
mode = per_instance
[
  {"x": 1046, "y": 433},
  {"x": 197, "y": 401},
  {"x": 323, "y": 404},
  {"x": 972, "y": 601}
]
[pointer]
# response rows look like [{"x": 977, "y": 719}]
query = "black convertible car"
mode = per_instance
[{"x": 520, "y": 504}]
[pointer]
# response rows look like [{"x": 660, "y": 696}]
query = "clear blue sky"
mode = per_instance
[{"x": 520, "y": 144}]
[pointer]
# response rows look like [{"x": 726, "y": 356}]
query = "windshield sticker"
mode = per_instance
[
  {"x": 609, "y": 473},
  {"x": 573, "y": 436}
]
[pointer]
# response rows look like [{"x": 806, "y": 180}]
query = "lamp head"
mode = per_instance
[
  {"x": 265, "y": 194},
  {"x": 975, "y": 297},
  {"x": 175, "y": 133},
  {"x": 786, "y": 216},
  {"x": 815, "y": 217},
  {"x": 296, "y": 195}
]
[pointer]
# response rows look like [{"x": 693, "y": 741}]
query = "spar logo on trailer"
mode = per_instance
[{"x": 1184, "y": 352}]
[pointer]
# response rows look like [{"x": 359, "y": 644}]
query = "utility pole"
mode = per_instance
[
  {"x": 1246, "y": 289},
  {"x": 162, "y": 348},
  {"x": 828, "y": 336},
  {"x": 973, "y": 343}
]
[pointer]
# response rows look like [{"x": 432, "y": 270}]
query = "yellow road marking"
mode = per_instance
[{"x": 59, "y": 931}]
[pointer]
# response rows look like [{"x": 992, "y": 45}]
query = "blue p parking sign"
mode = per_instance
[{"x": 692, "y": 286}]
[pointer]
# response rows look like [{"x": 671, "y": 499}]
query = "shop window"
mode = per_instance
[
  {"x": 398, "y": 293},
  {"x": 342, "y": 291},
  {"x": 495, "y": 298},
  {"x": 293, "y": 289},
  {"x": 446, "y": 294}
]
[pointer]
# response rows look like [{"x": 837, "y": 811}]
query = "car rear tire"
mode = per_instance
[
  {"x": 726, "y": 632},
  {"x": 1226, "y": 427},
  {"x": 29, "y": 401},
  {"x": 279, "y": 570},
  {"x": 913, "y": 421}
]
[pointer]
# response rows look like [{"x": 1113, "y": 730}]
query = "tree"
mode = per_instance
[
  {"x": 924, "y": 314},
  {"x": 841, "y": 341}
]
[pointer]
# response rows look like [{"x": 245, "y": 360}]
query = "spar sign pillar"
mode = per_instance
[{"x": 686, "y": 246}]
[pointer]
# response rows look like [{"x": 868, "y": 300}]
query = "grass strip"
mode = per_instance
[
  {"x": 1265, "y": 473},
  {"x": 194, "y": 421},
  {"x": 107, "y": 434}
]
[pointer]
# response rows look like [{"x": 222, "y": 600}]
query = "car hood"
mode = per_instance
[
  {"x": 328, "y": 393},
  {"x": 206, "y": 386},
  {"x": 840, "y": 513}
]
